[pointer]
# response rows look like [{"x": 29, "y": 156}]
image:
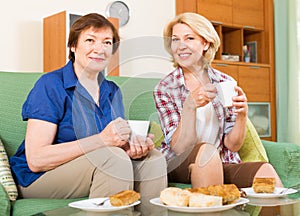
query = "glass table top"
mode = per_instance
[{"x": 152, "y": 210}]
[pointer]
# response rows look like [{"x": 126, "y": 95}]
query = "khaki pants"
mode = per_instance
[{"x": 101, "y": 173}]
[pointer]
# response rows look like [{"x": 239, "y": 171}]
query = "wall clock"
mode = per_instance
[{"x": 120, "y": 10}]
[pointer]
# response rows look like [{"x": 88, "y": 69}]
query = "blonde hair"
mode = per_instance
[{"x": 201, "y": 26}]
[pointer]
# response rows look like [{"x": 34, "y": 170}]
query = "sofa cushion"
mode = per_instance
[
  {"x": 4, "y": 201},
  {"x": 6, "y": 178},
  {"x": 252, "y": 149},
  {"x": 14, "y": 89},
  {"x": 26, "y": 207},
  {"x": 285, "y": 158},
  {"x": 158, "y": 134},
  {"x": 137, "y": 97}
]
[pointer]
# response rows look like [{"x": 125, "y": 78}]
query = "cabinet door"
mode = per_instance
[
  {"x": 54, "y": 39},
  {"x": 218, "y": 11},
  {"x": 231, "y": 70},
  {"x": 186, "y": 6},
  {"x": 248, "y": 14},
  {"x": 255, "y": 81}
]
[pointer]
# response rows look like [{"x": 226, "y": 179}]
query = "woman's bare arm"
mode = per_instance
[
  {"x": 43, "y": 155},
  {"x": 234, "y": 140}
]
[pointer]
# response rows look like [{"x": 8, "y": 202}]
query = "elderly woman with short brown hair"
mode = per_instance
[{"x": 77, "y": 140}]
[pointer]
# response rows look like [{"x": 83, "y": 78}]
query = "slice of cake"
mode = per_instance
[
  {"x": 124, "y": 198},
  {"x": 263, "y": 185}
]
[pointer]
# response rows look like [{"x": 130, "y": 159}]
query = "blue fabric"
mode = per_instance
[{"x": 59, "y": 98}]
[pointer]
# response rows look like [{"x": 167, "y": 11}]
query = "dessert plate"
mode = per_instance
[
  {"x": 241, "y": 201},
  {"x": 89, "y": 205},
  {"x": 278, "y": 192}
]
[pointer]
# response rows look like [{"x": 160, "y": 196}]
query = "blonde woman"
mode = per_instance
[{"x": 202, "y": 138}]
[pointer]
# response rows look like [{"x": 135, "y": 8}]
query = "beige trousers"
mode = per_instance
[{"x": 101, "y": 173}]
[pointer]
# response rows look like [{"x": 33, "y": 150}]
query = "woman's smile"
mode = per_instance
[
  {"x": 187, "y": 46},
  {"x": 93, "y": 50}
]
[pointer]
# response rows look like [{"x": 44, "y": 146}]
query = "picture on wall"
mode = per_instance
[{"x": 252, "y": 49}]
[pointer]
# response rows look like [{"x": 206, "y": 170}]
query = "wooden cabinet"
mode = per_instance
[
  {"x": 255, "y": 80},
  {"x": 248, "y": 14},
  {"x": 218, "y": 11},
  {"x": 241, "y": 23},
  {"x": 231, "y": 70},
  {"x": 190, "y": 6},
  {"x": 228, "y": 12},
  {"x": 55, "y": 29},
  {"x": 233, "y": 39},
  {"x": 55, "y": 37},
  {"x": 258, "y": 90}
]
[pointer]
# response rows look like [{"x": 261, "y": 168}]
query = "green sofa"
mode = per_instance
[{"x": 138, "y": 103}]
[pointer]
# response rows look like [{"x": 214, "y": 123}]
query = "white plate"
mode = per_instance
[
  {"x": 241, "y": 201},
  {"x": 277, "y": 192},
  {"x": 88, "y": 205}
]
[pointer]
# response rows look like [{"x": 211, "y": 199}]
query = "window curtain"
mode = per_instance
[{"x": 287, "y": 62}]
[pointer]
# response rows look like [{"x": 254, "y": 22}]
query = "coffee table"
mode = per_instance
[
  {"x": 152, "y": 210},
  {"x": 68, "y": 211},
  {"x": 286, "y": 205}
]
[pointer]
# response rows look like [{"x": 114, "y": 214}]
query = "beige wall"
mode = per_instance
[{"x": 22, "y": 33}]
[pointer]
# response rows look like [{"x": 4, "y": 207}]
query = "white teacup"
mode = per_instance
[
  {"x": 227, "y": 92},
  {"x": 139, "y": 127}
]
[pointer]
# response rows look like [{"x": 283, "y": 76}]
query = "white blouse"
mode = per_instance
[{"x": 207, "y": 125}]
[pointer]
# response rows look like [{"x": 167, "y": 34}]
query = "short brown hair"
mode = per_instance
[{"x": 87, "y": 21}]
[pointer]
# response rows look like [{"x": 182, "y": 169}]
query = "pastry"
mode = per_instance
[
  {"x": 202, "y": 200},
  {"x": 214, "y": 195},
  {"x": 229, "y": 192},
  {"x": 202, "y": 190},
  {"x": 263, "y": 185},
  {"x": 173, "y": 196},
  {"x": 124, "y": 198}
]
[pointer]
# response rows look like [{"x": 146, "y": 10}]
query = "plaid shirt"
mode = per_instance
[{"x": 170, "y": 94}]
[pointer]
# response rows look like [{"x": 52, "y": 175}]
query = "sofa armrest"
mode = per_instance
[
  {"x": 4, "y": 202},
  {"x": 285, "y": 157}
]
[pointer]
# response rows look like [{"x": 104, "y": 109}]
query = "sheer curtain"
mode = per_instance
[{"x": 287, "y": 58}]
